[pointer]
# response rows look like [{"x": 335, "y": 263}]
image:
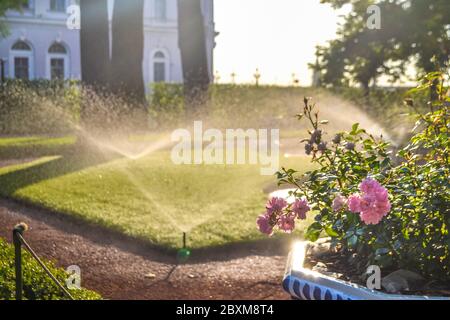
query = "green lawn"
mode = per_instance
[
  {"x": 152, "y": 199},
  {"x": 149, "y": 198},
  {"x": 33, "y": 146}
]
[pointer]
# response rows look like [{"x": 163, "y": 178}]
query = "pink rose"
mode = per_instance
[
  {"x": 370, "y": 217},
  {"x": 373, "y": 203},
  {"x": 287, "y": 222},
  {"x": 276, "y": 205},
  {"x": 300, "y": 208},
  {"x": 369, "y": 185},
  {"x": 264, "y": 224},
  {"x": 354, "y": 203},
  {"x": 339, "y": 203}
]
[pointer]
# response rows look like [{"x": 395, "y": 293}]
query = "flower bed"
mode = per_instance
[
  {"x": 384, "y": 209},
  {"x": 302, "y": 282}
]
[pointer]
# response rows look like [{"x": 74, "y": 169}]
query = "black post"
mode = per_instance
[
  {"x": 18, "y": 261},
  {"x": 184, "y": 240},
  {"x": 2, "y": 67},
  {"x": 17, "y": 234}
]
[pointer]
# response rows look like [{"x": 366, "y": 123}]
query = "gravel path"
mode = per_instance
[{"x": 122, "y": 268}]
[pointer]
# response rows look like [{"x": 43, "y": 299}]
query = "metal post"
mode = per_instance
[
  {"x": 2, "y": 67},
  {"x": 184, "y": 240},
  {"x": 17, "y": 232}
]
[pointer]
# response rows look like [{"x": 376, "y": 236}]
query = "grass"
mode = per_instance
[
  {"x": 149, "y": 198},
  {"x": 154, "y": 200},
  {"x": 33, "y": 146}
]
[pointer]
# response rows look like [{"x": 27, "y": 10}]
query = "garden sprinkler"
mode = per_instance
[{"x": 184, "y": 253}]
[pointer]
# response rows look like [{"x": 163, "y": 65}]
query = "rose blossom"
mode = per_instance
[
  {"x": 300, "y": 208},
  {"x": 287, "y": 222},
  {"x": 373, "y": 202},
  {"x": 339, "y": 203},
  {"x": 354, "y": 203},
  {"x": 276, "y": 205},
  {"x": 370, "y": 185},
  {"x": 264, "y": 224}
]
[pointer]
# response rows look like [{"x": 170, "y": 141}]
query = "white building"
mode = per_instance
[{"x": 40, "y": 45}]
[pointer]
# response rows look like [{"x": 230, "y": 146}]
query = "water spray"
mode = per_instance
[{"x": 184, "y": 253}]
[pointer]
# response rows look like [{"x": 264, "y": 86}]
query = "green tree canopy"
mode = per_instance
[
  {"x": 4, "y": 6},
  {"x": 410, "y": 29}
]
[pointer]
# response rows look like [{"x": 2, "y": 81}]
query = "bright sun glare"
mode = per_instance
[{"x": 277, "y": 36}]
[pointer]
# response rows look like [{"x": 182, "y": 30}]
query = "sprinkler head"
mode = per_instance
[{"x": 183, "y": 255}]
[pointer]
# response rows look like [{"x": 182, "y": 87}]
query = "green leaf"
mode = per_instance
[
  {"x": 313, "y": 232},
  {"x": 329, "y": 230},
  {"x": 354, "y": 129},
  {"x": 382, "y": 251},
  {"x": 352, "y": 218},
  {"x": 384, "y": 261},
  {"x": 352, "y": 241}
]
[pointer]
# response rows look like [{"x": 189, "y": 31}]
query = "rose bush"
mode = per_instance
[{"x": 392, "y": 210}]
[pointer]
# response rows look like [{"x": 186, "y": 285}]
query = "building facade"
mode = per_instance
[{"x": 41, "y": 46}]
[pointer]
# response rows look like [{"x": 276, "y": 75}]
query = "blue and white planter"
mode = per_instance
[{"x": 304, "y": 284}]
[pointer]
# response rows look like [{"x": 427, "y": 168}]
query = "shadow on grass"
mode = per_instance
[
  {"x": 34, "y": 147},
  {"x": 67, "y": 158},
  {"x": 31, "y": 151}
]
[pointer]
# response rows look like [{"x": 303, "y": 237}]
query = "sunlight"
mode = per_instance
[{"x": 272, "y": 35}]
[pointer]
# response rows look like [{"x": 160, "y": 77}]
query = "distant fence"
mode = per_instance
[{"x": 19, "y": 241}]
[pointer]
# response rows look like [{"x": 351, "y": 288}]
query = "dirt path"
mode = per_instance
[{"x": 121, "y": 268}]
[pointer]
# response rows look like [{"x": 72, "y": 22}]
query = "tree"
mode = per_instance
[
  {"x": 94, "y": 49},
  {"x": 410, "y": 29},
  {"x": 192, "y": 43},
  {"x": 128, "y": 51},
  {"x": 429, "y": 33},
  {"x": 94, "y": 43},
  {"x": 120, "y": 74},
  {"x": 7, "y": 5}
]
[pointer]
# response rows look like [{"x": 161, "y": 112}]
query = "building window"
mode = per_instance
[
  {"x": 159, "y": 67},
  {"x": 160, "y": 72},
  {"x": 160, "y": 10},
  {"x": 57, "y": 69},
  {"x": 57, "y": 62},
  {"x": 21, "y": 60},
  {"x": 58, "y": 5},
  {"x": 22, "y": 68},
  {"x": 28, "y": 5},
  {"x": 57, "y": 48},
  {"x": 21, "y": 46}
]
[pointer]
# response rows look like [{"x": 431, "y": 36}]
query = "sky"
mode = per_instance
[{"x": 277, "y": 36}]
